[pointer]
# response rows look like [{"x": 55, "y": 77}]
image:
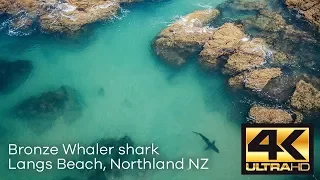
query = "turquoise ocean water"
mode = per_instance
[{"x": 144, "y": 98}]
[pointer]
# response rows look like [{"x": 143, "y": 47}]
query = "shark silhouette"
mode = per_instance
[{"x": 210, "y": 145}]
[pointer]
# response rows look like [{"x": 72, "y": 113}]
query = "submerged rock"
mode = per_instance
[
  {"x": 249, "y": 5},
  {"x": 64, "y": 15},
  {"x": 224, "y": 42},
  {"x": 101, "y": 92},
  {"x": 306, "y": 97},
  {"x": 267, "y": 20},
  {"x": 63, "y": 102},
  {"x": 96, "y": 174},
  {"x": 185, "y": 37},
  {"x": 13, "y": 73},
  {"x": 266, "y": 115},
  {"x": 310, "y": 9}
]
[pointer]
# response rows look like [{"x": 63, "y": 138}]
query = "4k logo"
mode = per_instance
[{"x": 277, "y": 149}]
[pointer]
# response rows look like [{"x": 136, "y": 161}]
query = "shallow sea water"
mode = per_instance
[{"x": 144, "y": 98}]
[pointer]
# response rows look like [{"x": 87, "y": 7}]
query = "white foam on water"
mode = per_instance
[
  {"x": 245, "y": 39},
  {"x": 106, "y": 5},
  {"x": 204, "y": 5},
  {"x": 67, "y": 8},
  {"x": 10, "y": 27}
]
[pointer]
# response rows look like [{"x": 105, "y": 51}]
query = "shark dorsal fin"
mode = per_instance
[{"x": 213, "y": 142}]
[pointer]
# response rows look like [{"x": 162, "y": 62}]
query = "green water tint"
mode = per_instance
[{"x": 128, "y": 91}]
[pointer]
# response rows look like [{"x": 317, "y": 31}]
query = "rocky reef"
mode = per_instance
[
  {"x": 310, "y": 9},
  {"x": 264, "y": 52},
  {"x": 61, "y": 103},
  {"x": 185, "y": 37},
  {"x": 59, "y": 15},
  {"x": 13, "y": 73}
]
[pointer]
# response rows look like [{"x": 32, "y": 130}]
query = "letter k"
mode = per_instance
[{"x": 154, "y": 149}]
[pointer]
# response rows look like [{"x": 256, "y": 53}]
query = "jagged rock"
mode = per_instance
[
  {"x": 64, "y": 15},
  {"x": 310, "y": 9},
  {"x": 254, "y": 80},
  {"x": 266, "y": 115},
  {"x": 13, "y": 73},
  {"x": 224, "y": 42},
  {"x": 306, "y": 97},
  {"x": 279, "y": 89},
  {"x": 249, "y": 55},
  {"x": 63, "y": 102},
  {"x": 185, "y": 37}
]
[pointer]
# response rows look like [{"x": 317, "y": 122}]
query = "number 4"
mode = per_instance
[{"x": 272, "y": 147}]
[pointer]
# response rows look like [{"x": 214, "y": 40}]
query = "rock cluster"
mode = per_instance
[
  {"x": 284, "y": 39},
  {"x": 61, "y": 15},
  {"x": 226, "y": 47},
  {"x": 310, "y": 9},
  {"x": 264, "y": 63},
  {"x": 185, "y": 37},
  {"x": 240, "y": 56}
]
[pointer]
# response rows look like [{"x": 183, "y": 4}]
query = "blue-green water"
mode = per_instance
[{"x": 144, "y": 99}]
